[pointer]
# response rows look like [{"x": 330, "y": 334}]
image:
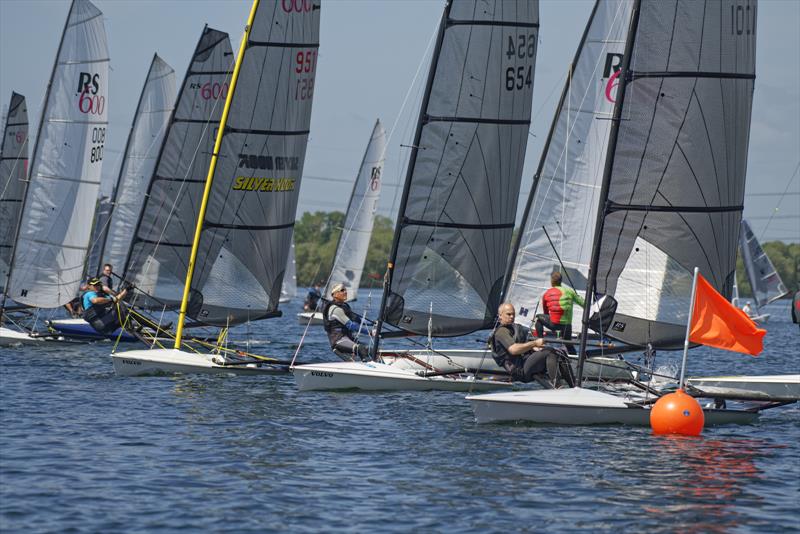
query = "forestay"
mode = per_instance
[
  {"x": 150, "y": 120},
  {"x": 677, "y": 164},
  {"x": 765, "y": 281},
  {"x": 13, "y": 178},
  {"x": 351, "y": 251},
  {"x": 566, "y": 188},
  {"x": 59, "y": 205},
  {"x": 159, "y": 253},
  {"x": 458, "y": 208},
  {"x": 247, "y": 229}
]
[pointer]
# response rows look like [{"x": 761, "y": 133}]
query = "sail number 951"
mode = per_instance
[
  {"x": 523, "y": 47},
  {"x": 305, "y": 64}
]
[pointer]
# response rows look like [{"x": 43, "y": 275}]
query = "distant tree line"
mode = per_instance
[{"x": 317, "y": 234}]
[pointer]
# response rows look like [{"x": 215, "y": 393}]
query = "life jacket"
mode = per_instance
[
  {"x": 102, "y": 317},
  {"x": 499, "y": 353},
  {"x": 335, "y": 329}
]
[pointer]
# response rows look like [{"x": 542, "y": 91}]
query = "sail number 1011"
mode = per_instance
[{"x": 523, "y": 47}]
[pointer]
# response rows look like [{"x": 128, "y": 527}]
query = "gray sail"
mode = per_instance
[
  {"x": 765, "y": 281},
  {"x": 159, "y": 255},
  {"x": 247, "y": 230},
  {"x": 149, "y": 126},
  {"x": 677, "y": 163},
  {"x": 351, "y": 251},
  {"x": 566, "y": 189},
  {"x": 458, "y": 208},
  {"x": 13, "y": 178},
  {"x": 94, "y": 259},
  {"x": 59, "y": 205}
]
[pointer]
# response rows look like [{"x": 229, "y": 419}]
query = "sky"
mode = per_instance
[{"x": 370, "y": 52}]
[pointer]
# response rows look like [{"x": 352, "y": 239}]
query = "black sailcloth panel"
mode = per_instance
[
  {"x": 248, "y": 227},
  {"x": 677, "y": 183},
  {"x": 455, "y": 233},
  {"x": 160, "y": 250}
]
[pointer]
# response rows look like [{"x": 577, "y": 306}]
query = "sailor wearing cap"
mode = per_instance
[
  {"x": 343, "y": 326},
  {"x": 98, "y": 308}
]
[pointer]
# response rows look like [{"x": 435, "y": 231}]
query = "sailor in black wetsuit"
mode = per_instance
[
  {"x": 100, "y": 309},
  {"x": 523, "y": 357},
  {"x": 343, "y": 326}
]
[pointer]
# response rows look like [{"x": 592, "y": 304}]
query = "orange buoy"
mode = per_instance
[{"x": 677, "y": 413}]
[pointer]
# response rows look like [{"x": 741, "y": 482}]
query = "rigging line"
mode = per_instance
[{"x": 772, "y": 216}]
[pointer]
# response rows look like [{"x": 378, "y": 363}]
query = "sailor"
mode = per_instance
[
  {"x": 747, "y": 309},
  {"x": 557, "y": 306},
  {"x": 342, "y": 326},
  {"x": 312, "y": 298},
  {"x": 100, "y": 309},
  {"x": 523, "y": 357},
  {"x": 106, "y": 278}
]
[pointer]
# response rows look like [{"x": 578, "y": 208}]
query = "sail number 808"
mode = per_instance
[
  {"x": 98, "y": 138},
  {"x": 523, "y": 47}
]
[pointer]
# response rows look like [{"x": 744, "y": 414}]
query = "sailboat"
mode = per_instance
[
  {"x": 13, "y": 180},
  {"x": 457, "y": 212},
  {"x": 351, "y": 250},
  {"x": 52, "y": 236},
  {"x": 146, "y": 135},
  {"x": 765, "y": 282},
  {"x": 237, "y": 259},
  {"x": 670, "y": 198},
  {"x": 289, "y": 287}
]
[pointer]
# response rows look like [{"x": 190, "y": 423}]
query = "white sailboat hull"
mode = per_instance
[
  {"x": 172, "y": 361},
  {"x": 10, "y": 337},
  {"x": 767, "y": 387},
  {"x": 314, "y": 317},
  {"x": 375, "y": 376},
  {"x": 578, "y": 406}
]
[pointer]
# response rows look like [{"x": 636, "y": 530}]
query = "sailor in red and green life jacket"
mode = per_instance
[{"x": 557, "y": 306}]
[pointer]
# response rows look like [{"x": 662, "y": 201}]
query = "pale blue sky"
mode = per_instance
[{"x": 370, "y": 51}]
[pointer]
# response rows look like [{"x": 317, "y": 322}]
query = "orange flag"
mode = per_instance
[{"x": 718, "y": 323}]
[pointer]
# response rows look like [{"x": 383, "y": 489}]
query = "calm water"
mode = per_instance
[{"x": 83, "y": 450}]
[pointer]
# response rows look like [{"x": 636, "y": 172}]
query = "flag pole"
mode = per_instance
[{"x": 688, "y": 327}]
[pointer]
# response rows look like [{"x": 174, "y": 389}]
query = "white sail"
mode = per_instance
[
  {"x": 289, "y": 287},
  {"x": 564, "y": 197},
  {"x": 13, "y": 175},
  {"x": 144, "y": 142},
  {"x": 67, "y": 161},
  {"x": 351, "y": 253}
]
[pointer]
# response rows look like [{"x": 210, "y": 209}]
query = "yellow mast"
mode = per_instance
[{"x": 210, "y": 177}]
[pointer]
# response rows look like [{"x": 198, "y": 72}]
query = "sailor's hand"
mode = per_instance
[{"x": 538, "y": 343}]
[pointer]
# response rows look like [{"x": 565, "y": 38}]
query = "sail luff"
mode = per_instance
[
  {"x": 210, "y": 177},
  {"x": 603, "y": 198},
  {"x": 387, "y": 280}
]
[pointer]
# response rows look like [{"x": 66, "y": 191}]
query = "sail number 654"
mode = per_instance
[{"x": 523, "y": 47}]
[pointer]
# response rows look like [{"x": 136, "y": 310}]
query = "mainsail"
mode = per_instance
[
  {"x": 163, "y": 234},
  {"x": 566, "y": 186},
  {"x": 765, "y": 281},
  {"x": 59, "y": 205},
  {"x": 139, "y": 160},
  {"x": 13, "y": 178},
  {"x": 247, "y": 228},
  {"x": 351, "y": 251},
  {"x": 673, "y": 185},
  {"x": 459, "y": 201}
]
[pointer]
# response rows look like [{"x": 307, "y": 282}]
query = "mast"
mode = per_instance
[
  {"x": 210, "y": 177},
  {"x": 125, "y": 156},
  {"x": 603, "y": 200},
  {"x": 33, "y": 158},
  {"x": 387, "y": 280},
  {"x": 536, "y": 177},
  {"x": 158, "y": 158}
]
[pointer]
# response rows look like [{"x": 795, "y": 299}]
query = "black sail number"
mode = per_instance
[
  {"x": 520, "y": 47},
  {"x": 743, "y": 18}
]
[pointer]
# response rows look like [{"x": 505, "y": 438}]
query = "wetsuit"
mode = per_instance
[
  {"x": 557, "y": 306},
  {"x": 102, "y": 317},
  {"x": 342, "y": 324},
  {"x": 522, "y": 367}
]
